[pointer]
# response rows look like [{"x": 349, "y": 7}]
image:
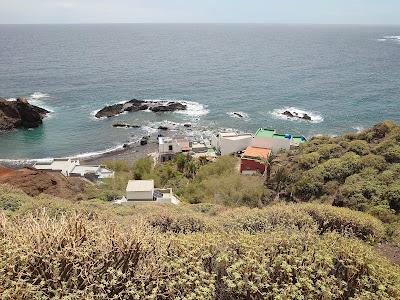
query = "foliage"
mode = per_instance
[
  {"x": 76, "y": 256},
  {"x": 356, "y": 170}
]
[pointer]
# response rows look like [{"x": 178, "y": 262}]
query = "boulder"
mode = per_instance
[
  {"x": 295, "y": 115},
  {"x": 124, "y": 125},
  {"x": 238, "y": 114},
  {"x": 135, "y": 105},
  {"x": 20, "y": 114},
  {"x": 163, "y": 128},
  {"x": 288, "y": 114},
  {"x": 110, "y": 111}
]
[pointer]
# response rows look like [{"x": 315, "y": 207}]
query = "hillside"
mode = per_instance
[
  {"x": 320, "y": 224},
  {"x": 53, "y": 248}
]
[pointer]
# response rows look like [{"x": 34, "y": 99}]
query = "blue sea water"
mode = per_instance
[{"x": 346, "y": 77}]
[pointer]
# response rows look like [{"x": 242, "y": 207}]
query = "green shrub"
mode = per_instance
[
  {"x": 11, "y": 199},
  {"x": 309, "y": 160},
  {"x": 142, "y": 167},
  {"x": 359, "y": 147},
  {"x": 75, "y": 257}
]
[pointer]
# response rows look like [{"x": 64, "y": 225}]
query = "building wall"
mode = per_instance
[
  {"x": 165, "y": 148},
  {"x": 229, "y": 146},
  {"x": 275, "y": 144},
  {"x": 146, "y": 195},
  {"x": 248, "y": 165}
]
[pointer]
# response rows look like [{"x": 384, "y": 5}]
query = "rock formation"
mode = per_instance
[
  {"x": 20, "y": 114},
  {"x": 290, "y": 114},
  {"x": 139, "y": 105}
]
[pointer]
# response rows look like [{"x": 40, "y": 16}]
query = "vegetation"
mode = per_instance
[
  {"x": 306, "y": 229},
  {"x": 95, "y": 250}
]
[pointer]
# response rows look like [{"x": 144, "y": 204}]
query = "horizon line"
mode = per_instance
[{"x": 210, "y": 23}]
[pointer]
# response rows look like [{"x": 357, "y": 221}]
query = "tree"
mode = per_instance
[{"x": 269, "y": 162}]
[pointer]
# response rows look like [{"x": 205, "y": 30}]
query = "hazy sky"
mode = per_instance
[{"x": 265, "y": 11}]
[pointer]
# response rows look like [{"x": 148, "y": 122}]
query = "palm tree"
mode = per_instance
[
  {"x": 281, "y": 179},
  {"x": 269, "y": 162}
]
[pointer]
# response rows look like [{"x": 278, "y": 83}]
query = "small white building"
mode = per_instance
[
  {"x": 72, "y": 167},
  {"x": 140, "y": 190},
  {"x": 268, "y": 138},
  {"x": 63, "y": 165},
  {"x": 143, "y": 191},
  {"x": 230, "y": 142}
]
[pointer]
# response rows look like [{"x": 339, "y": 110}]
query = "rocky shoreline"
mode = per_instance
[
  {"x": 135, "y": 105},
  {"x": 20, "y": 114}
]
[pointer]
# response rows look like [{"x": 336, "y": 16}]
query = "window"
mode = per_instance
[{"x": 170, "y": 147}]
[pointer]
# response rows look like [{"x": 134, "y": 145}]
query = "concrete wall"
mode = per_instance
[
  {"x": 275, "y": 144},
  {"x": 229, "y": 146},
  {"x": 147, "y": 195},
  {"x": 165, "y": 147}
]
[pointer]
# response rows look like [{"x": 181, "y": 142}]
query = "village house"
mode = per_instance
[
  {"x": 143, "y": 192},
  {"x": 268, "y": 138},
  {"x": 227, "y": 143},
  {"x": 169, "y": 147},
  {"x": 70, "y": 167},
  {"x": 253, "y": 160}
]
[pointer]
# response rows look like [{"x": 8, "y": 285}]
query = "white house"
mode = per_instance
[
  {"x": 72, "y": 167},
  {"x": 268, "y": 138},
  {"x": 140, "y": 190},
  {"x": 63, "y": 165},
  {"x": 143, "y": 191},
  {"x": 230, "y": 142}
]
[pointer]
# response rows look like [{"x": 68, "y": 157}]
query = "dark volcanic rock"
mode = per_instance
[
  {"x": 294, "y": 114},
  {"x": 124, "y": 125},
  {"x": 135, "y": 105},
  {"x": 162, "y": 128},
  {"x": 288, "y": 114},
  {"x": 20, "y": 114},
  {"x": 110, "y": 111},
  {"x": 172, "y": 106},
  {"x": 238, "y": 114}
]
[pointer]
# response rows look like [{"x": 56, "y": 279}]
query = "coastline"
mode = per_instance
[
  {"x": 130, "y": 154},
  {"x": 133, "y": 152}
]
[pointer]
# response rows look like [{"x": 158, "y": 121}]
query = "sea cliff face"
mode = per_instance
[{"x": 20, "y": 114}]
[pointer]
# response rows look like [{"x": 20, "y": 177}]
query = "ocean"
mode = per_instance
[{"x": 346, "y": 77}]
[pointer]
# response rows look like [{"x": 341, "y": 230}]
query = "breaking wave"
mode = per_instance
[
  {"x": 37, "y": 99},
  {"x": 194, "y": 109},
  {"x": 389, "y": 38},
  {"x": 278, "y": 113}
]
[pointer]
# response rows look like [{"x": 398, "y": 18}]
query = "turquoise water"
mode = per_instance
[{"x": 346, "y": 77}]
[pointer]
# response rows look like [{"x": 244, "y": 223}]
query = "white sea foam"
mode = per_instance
[
  {"x": 381, "y": 40},
  {"x": 278, "y": 113},
  {"x": 392, "y": 37},
  {"x": 194, "y": 109},
  {"x": 235, "y": 114},
  {"x": 358, "y": 128},
  {"x": 37, "y": 98},
  {"x": 395, "y": 38}
]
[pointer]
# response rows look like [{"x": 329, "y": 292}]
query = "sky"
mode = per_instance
[{"x": 200, "y": 11}]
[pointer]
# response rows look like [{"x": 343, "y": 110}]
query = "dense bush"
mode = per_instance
[{"x": 77, "y": 257}]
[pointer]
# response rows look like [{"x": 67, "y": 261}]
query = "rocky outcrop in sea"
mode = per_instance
[
  {"x": 135, "y": 105},
  {"x": 295, "y": 115},
  {"x": 20, "y": 114}
]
